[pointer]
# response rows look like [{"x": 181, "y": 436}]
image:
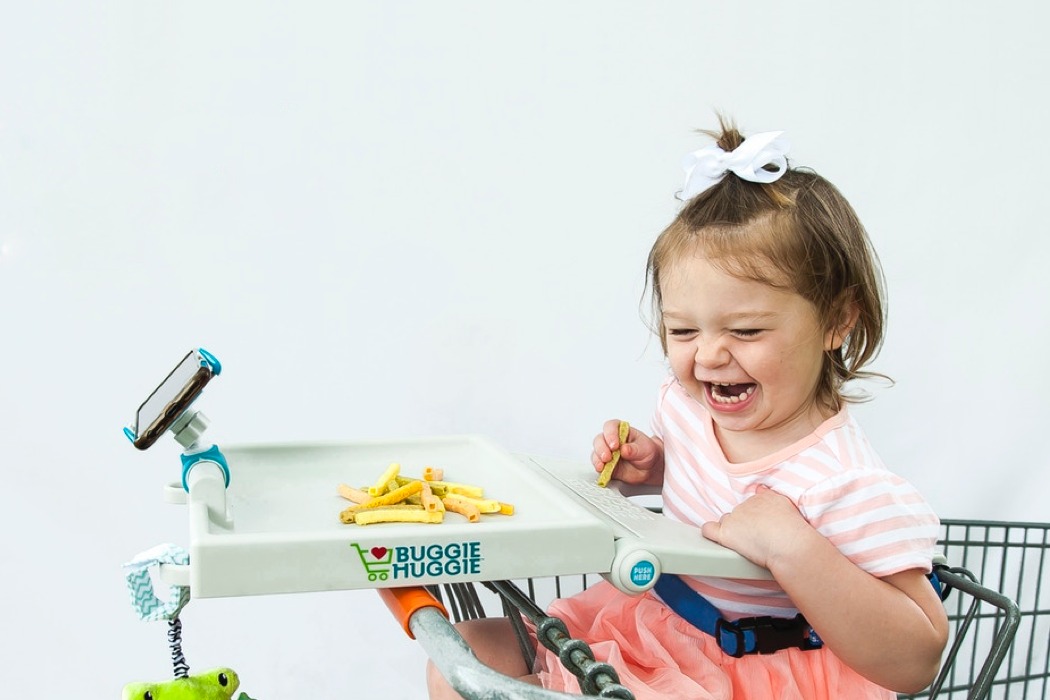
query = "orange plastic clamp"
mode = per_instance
[{"x": 404, "y": 602}]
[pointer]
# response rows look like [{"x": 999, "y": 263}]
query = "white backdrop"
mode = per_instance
[{"x": 408, "y": 219}]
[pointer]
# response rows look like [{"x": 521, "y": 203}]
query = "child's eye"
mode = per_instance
[
  {"x": 746, "y": 332},
  {"x": 680, "y": 332}
]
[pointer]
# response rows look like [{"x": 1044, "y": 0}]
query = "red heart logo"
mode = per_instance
[{"x": 378, "y": 552}]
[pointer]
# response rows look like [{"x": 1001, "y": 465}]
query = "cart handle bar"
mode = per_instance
[{"x": 404, "y": 602}]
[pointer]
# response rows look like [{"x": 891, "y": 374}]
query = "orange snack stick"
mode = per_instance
[
  {"x": 352, "y": 494},
  {"x": 463, "y": 507},
  {"x": 380, "y": 485},
  {"x": 607, "y": 470},
  {"x": 429, "y": 500}
]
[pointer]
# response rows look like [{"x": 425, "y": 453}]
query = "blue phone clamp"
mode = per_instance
[{"x": 188, "y": 429}]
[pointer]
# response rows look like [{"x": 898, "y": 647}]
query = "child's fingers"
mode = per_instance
[
  {"x": 712, "y": 530},
  {"x": 601, "y": 452},
  {"x": 611, "y": 431}
]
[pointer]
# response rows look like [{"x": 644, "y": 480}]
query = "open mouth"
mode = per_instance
[{"x": 728, "y": 394}]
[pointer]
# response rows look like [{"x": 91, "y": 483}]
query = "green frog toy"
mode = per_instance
[{"x": 216, "y": 684}]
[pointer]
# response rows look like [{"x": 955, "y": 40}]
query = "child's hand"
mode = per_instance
[
  {"x": 641, "y": 457},
  {"x": 765, "y": 526}
]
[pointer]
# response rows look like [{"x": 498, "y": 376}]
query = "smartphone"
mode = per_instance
[{"x": 172, "y": 397}]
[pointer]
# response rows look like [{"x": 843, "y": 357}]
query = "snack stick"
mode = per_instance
[
  {"x": 383, "y": 515},
  {"x": 429, "y": 500},
  {"x": 402, "y": 480},
  {"x": 506, "y": 508},
  {"x": 458, "y": 505},
  {"x": 433, "y": 474},
  {"x": 352, "y": 494},
  {"x": 396, "y": 496},
  {"x": 435, "y": 488},
  {"x": 484, "y": 505},
  {"x": 445, "y": 488},
  {"x": 607, "y": 470},
  {"x": 392, "y": 485},
  {"x": 460, "y": 489},
  {"x": 438, "y": 488},
  {"x": 389, "y": 473},
  {"x": 348, "y": 514}
]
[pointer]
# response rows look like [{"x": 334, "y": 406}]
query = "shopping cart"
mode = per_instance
[
  {"x": 998, "y": 609},
  {"x": 271, "y": 520}
]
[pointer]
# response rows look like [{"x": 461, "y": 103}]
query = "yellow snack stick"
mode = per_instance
[
  {"x": 458, "y": 505},
  {"x": 392, "y": 485},
  {"x": 607, "y": 470},
  {"x": 352, "y": 494},
  {"x": 389, "y": 473},
  {"x": 460, "y": 489},
  {"x": 383, "y": 515},
  {"x": 506, "y": 508},
  {"x": 433, "y": 474},
  {"x": 429, "y": 500},
  {"x": 396, "y": 496},
  {"x": 348, "y": 514},
  {"x": 484, "y": 505}
]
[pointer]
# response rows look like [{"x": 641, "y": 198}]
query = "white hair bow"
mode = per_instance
[{"x": 707, "y": 167}]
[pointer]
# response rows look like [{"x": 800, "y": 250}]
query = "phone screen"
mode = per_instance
[{"x": 171, "y": 398}]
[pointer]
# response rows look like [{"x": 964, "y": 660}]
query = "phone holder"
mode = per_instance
[{"x": 170, "y": 407}]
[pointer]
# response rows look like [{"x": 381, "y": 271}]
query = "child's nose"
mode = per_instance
[{"x": 711, "y": 353}]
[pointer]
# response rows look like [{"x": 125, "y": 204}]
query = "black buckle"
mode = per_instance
[
  {"x": 723, "y": 625},
  {"x": 771, "y": 634}
]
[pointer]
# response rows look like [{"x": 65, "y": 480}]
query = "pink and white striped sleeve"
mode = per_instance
[{"x": 875, "y": 518}]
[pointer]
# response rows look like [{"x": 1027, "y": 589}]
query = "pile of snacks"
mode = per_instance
[{"x": 393, "y": 498}]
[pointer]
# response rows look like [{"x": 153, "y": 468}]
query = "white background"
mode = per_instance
[{"x": 410, "y": 219}]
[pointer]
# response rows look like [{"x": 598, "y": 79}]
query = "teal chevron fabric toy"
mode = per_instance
[{"x": 217, "y": 684}]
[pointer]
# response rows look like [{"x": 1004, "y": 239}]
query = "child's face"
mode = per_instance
[{"x": 765, "y": 343}]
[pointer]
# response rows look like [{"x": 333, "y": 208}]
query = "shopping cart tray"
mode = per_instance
[{"x": 276, "y": 528}]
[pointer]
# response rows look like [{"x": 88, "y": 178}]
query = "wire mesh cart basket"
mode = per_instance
[{"x": 997, "y": 605}]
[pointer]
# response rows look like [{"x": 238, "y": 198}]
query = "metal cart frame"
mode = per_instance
[{"x": 993, "y": 594}]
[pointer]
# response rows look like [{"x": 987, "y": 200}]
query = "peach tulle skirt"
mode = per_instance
[{"x": 659, "y": 655}]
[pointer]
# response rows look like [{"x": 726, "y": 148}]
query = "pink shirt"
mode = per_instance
[{"x": 834, "y": 477}]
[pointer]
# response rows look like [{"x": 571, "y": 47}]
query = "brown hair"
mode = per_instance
[{"x": 798, "y": 233}]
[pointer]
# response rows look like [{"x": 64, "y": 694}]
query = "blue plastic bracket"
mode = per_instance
[{"x": 212, "y": 454}]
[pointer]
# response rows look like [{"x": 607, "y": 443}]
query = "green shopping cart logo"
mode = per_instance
[
  {"x": 420, "y": 561},
  {"x": 376, "y": 561}
]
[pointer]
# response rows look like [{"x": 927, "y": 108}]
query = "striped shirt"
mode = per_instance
[{"x": 833, "y": 476}]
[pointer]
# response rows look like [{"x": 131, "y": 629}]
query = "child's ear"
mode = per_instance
[{"x": 847, "y": 319}]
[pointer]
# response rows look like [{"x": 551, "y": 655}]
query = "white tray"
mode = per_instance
[{"x": 276, "y": 529}]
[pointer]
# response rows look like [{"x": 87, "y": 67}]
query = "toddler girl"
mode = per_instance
[{"x": 767, "y": 300}]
